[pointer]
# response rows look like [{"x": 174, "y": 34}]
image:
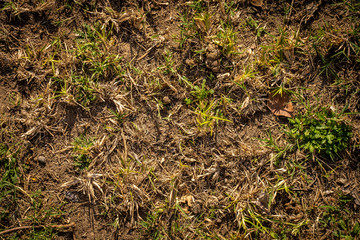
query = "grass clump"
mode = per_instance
[
  {"x": 339, "y": 218},
  {"x": 9, "y": 162},
  {"x": 321, "y": 132},
  {"x": 226, "y": 38},
  {"x": 200, "y": 93},
  {"x": 82, "y": 147}
]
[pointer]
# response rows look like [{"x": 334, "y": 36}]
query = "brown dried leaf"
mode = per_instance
[
  {"x": 289, "y": 54},
  {"x": 256, "y": 3},
  {"x": 189, "y": 200},
  {"x": 263, "y": 202},
  {"x": 280, "y": 105}
]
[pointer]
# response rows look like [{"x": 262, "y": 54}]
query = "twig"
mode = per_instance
[
  {"x": 41, "y": 226},
  {"x": 23, "y": 191},
  {"x": 147, "y": 52},
  {"x": 125, "y": 146},
  {"x": 169, "y": 85},
  {"x": 15, "y": 229},
  {"x": 161, "y": 4}
]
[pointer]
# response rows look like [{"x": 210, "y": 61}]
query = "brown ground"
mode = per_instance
[{"x": 72, "y": 170}]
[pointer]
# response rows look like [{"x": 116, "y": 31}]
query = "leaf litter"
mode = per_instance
[{"x": 280, "y": 105}]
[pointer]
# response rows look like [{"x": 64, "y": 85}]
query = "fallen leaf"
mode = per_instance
[
  {"x": 263, "y": 201},
  {"x": 280, "y": 105},
  {"x": 289, "y": 54},
  {"x": 188, "y": 199},
  {"x": 256, "y": 3}
]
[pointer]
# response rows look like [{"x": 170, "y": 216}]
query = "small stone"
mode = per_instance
[
  {"x": 190, "y": 62},
  {"x": 342, "y": 181},
  {"x": 213, "y": 65},
  {"x": 42, "y": 160},
  {"x": 212, "y": 53},
  {"x": 166, "y": 100},
  {"x": 71, "y": 196},
  {"x": 224, "y": 76}
]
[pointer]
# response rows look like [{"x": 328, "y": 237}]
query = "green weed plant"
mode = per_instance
[
  {"x": 82, "y": 147},
  {"x": 321, "y": 132}
]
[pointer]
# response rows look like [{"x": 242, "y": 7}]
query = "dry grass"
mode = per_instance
[{"x": 149, "y": 120}]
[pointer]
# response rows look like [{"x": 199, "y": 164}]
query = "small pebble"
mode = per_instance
[
  {"x": 342, "y": 181},
  {"x": 72, "y": 196},
  {"x": 166, "y": 100},
  {"x": 42, "y": 160}
]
